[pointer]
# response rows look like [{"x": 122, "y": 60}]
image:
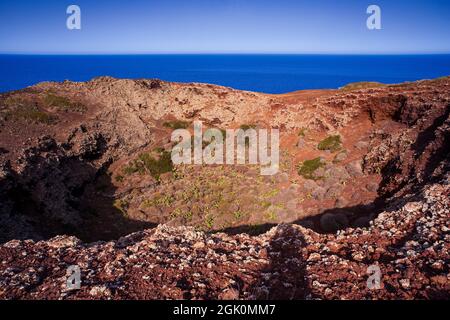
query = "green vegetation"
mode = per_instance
[
  {"x": 265, "y": 204},
  {"x": 63, "y": 103},
  {"x": 159, "y": 201},
  {"x": 159, "y": 149},
  {"x": 443, "y": 78},
  {"x": 146, "y": 163},
  {"x": 307, "y": 168},
  {"x": 361, "y": 85},
  {"x": 271, "y": 215},
  {"x": 187, "y": 215},
  {"x": 121, "y": 205},
  {"x": 119, "y": 178},
  {"x": 247, "y": 126},
  {"x": 156, "y": 167},
  {"x": 209, "y": 221},
  {"x": 271, "y": 193},
  {"x": 302, "y": 132},
  {"x": 238, "y": 214},
  {"x": 176, "y": 124},
  {"x": 332, "y": 143},
  {"x": 33, "y": 115},
  {"x": 20, "y": 108}
]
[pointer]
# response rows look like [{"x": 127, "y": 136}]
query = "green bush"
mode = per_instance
[
  {"x": 247, "y": 126},
  {"x": 156, "y": 167},
  {"x": 332, "y": 143},
  {"x": 176, "y": 124},
  {"x": 147, "y": 163},
  {"x": 307, "y": 168},
  {"x": 134, "y": 167}
]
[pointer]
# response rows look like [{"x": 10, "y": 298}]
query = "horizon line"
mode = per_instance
[{"x": 220, "y": 53}]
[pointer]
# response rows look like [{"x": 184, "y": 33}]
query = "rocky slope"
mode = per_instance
[{"x": 363, "y": 181}]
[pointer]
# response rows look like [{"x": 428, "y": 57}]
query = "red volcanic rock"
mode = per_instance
[{"x": 78, "y": 189}]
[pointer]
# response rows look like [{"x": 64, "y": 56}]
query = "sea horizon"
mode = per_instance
[{"x": 260, "y": 72}]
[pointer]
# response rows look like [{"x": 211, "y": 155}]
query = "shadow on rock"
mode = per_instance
[
  {"x": 56, "y": 191},
  {"x": 284, "y": 278}
]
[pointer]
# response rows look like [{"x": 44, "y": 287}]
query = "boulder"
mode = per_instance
[{"x": 354, "y": 169}]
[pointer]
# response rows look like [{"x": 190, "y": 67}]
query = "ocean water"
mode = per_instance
[{"x": 262, "y": 73}]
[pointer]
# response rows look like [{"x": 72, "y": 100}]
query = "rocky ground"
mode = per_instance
[{"x": 363, "y": 182}]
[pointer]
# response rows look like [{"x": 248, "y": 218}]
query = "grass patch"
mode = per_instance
[
  {"x": 133, "y": 167},
  {"x": 332, "y": 143},
  {"x": 146, "y": 163},
  {"x": 27, "y": 110},
  {"x": 186, "y": 215},
  {"x": 362, "y": 85},
  {"x": 176, "y": 124},
  {"x": 62, "y": 103},
  {"x": 156, "y": 167},
  {"x": 307, "y": 168},
  {"x": 161, "y": 201}
]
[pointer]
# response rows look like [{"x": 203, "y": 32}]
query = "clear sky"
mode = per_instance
[{"x": 224, "y": 26}]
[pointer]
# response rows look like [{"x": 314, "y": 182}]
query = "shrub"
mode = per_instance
[
  {"x": 332, "y": 143},
  {"x": 176, "y": 124},
  {"x": 147, "y": 163},
  {"x": 209, "y": 221},
  {"x": 302, "y": 132},
  {"x": 307, "y": 168},
  {"x": 247, "y": 126},
  {"x": 133, "y": 167},
  {"x": 238, "y": 214},
  {"x": 156, "y": 167}
]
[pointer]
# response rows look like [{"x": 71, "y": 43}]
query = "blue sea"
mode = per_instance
[{"x": 262, "y": 73}]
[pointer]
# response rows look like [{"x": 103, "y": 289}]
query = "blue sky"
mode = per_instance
[{"x": 225, "y": 26}]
